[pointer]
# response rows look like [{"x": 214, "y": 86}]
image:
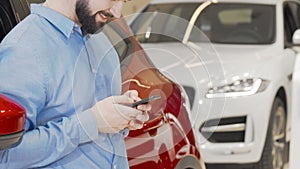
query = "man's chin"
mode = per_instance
[
  {"x": 93, "y": 29},
  {"x": 99, "y": 28}
]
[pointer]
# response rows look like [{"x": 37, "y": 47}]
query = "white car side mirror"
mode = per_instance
[{"x": 296, "y": 37}]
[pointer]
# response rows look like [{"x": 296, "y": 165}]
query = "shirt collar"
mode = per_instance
[{"x": 61, "y": 22}]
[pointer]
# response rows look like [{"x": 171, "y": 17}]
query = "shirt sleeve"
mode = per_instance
[{"x": 23, "y": 80}]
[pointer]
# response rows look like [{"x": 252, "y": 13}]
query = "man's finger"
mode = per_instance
[
  {"x": 123, "y": 99},
  {"x": 134, "y": 124},
  {"x": 128, "y": 112},
  {"x": 144, "y": 107},
  {"x": 133, "y": 94},
  {"x": 143, "y": 117}
]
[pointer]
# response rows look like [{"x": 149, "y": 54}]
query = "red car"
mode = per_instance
[
  {"x": 166, "y": 140},
  {"x": 12, "y": 121}
]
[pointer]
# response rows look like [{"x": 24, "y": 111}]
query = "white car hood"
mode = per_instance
[{"x": 219, "y": 63}]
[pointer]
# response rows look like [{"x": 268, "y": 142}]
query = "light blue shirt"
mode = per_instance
[{"x": 57, "y": 75}]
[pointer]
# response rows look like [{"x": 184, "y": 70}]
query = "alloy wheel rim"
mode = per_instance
[{"x": 278, "y": 132}]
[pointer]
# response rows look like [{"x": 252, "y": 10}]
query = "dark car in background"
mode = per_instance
[{"x": 167, "y": 139}]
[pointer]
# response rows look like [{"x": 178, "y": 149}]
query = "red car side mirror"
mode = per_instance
[{"x": 12, "y": 123}]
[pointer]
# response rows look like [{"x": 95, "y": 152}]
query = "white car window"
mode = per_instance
[
  {"x": 163, "y": 22},
  {"x": 230, "y": 23},
  {"x": 233, "y": 23}
]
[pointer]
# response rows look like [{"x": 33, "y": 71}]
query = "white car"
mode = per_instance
[{"x": 235, "y": 58}]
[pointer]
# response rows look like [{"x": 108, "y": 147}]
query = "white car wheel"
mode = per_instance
[{"x": 273, "y": 156}]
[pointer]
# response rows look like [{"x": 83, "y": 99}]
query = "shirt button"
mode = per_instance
[
  {"x": 115, "y": 166},
  {"x": 124, "y": 132}
]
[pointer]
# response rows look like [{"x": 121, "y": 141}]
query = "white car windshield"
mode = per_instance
[{"x": 229, "y": 23}]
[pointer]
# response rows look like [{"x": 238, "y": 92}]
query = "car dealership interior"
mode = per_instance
[
  {"x": 222, "y": 78},
  {"x": 140, "y": 6}
]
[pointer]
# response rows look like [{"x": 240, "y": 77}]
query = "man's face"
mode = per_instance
[{"x": 93, "y": 14}]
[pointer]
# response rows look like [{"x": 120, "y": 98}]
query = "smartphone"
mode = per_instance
[{"x": 145, "y": 101}]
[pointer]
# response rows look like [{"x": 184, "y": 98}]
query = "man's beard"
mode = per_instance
[{"x": 88, "y": 22}]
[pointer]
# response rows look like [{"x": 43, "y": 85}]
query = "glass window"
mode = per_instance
[
  {"x": 117, "y": 41},
  {"x": 163, "y": 22},
  {"x": 235, "y": 16},
  {"x": 232, "y": 23},
  {"x": 121, "y": 43},
  {"x": 289, "y": 24},
  {"x": 295, "y": 10}
]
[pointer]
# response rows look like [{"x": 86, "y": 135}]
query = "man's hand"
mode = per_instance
[{"x": 113, "y": 115}]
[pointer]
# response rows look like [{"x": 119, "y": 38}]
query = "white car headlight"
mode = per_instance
[{"x": 244, "y": 87}]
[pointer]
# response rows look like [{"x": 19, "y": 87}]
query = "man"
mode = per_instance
[{"x": 75, "y": 115}]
